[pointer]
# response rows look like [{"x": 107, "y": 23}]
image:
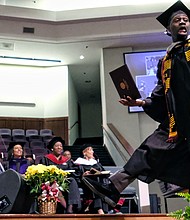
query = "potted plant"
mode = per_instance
[{"x": 45, "y": 183}]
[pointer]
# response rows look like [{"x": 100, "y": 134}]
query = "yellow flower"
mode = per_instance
[{"x": 36, "y": 175}]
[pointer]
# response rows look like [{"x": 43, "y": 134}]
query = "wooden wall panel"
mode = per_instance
[
  {"x": 15, "y": 123},
  {"x": 3, "y": 122},
  {"x": 59, "y": 126},
  {"x": 34, "y": 123}
]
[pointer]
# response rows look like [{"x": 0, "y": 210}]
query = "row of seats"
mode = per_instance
[
  {"x": 30, "y": 134},
  {"x": 35, "y": 140},
  {"x": 27, "y": 133},
  {"x": 32, "y": 144}
]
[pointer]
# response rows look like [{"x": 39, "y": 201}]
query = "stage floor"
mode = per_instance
[{"x": 85, "y": 217}]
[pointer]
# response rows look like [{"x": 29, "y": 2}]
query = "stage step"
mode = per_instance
[{"x": 85, "y": 217}]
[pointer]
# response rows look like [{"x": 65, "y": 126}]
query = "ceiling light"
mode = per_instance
[{"x": 81, "y": 57}]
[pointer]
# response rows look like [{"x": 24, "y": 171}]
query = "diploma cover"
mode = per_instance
[{"x": 124, "y": 83}]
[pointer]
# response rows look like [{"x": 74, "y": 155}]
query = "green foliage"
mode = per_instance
[
  {"x": 182, "y": 214},
  {"x": 36, "y": 175}
]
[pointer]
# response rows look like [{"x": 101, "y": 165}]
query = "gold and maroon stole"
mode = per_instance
[{"x": 166, "y": 78}]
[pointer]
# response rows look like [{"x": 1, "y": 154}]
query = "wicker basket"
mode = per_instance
[{"x": 47, "y": 207}]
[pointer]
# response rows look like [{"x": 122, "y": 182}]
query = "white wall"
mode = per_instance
[
  {"x": 55, "y": 81},
  {"x": 53, "y": 94},
  {"x": 46, "y": 87}
]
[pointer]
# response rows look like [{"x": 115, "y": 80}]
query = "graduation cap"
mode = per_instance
[
  {"x": 13, "y": 143},
  {"x": 165, "y": 17},
  {"x": 84, "y": 147},
  {"x": 55, "y": 140}
]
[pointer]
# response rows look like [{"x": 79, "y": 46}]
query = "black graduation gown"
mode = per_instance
[
  {"x": 74, "y": 193},
  {"x": 97, "y": 203},
  {"x": 156, "y": 158}
]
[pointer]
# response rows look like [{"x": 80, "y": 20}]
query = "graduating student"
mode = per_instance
[{"x": 165, "y": 154}]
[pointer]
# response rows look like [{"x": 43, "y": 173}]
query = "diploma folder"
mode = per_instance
[{"x": 124, "y": 83}]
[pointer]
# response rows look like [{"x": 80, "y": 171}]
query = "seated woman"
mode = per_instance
[
  {"x": 56, "y": 158},
  {"x": 67, "y": 153},
  {"x": 91, "y": 165},
  {"x": 16, "y": 159}
]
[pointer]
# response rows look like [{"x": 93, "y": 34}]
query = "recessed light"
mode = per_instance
[{"x": 81, "y": 57}]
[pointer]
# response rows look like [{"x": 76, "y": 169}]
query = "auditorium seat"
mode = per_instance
[
  {"x": 39, "y": 151},
  {"x": 37, "y": 159},
  {"x": 27, "y": 152},
  {"x": 18, "y": 137},
  {"x": 46, "y": 132},
  {"x": 34, "y": 138},
  {"x": 37, "y": 144},
  {"x": 4, "y": 144},
  {"x": 18, "y": 131},
  {"x": 18, "y": 134},
  {"x": 47, "y": 139},
  {"x": 5, "y": 133},
  {"x": 46, "y": 135},
  {"x": 30, "y": 132},
  {"x": 26, "y": 144}
]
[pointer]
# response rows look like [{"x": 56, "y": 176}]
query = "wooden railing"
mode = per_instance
[
  {"x": 72, "y": 126},
  {"x": 121, "y": 139}
]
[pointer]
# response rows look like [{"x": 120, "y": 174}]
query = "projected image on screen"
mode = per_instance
[
  {"x": 146, "y": 84},
  {"x": 143, "y": 66}
]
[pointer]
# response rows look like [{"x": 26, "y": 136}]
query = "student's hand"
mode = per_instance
[{"x": 132, "y": 102}]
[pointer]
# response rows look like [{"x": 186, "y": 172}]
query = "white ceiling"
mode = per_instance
[
  {"x": 64, "y": 5},
  {"x": 69, "y": 28}
]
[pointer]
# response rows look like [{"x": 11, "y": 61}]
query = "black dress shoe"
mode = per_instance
[{"x": 106, "y": 191}]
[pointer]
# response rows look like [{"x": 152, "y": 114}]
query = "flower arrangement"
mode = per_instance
[
  {"x": 46, "y": 180},
  {"x": 182, "y": 214}
]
